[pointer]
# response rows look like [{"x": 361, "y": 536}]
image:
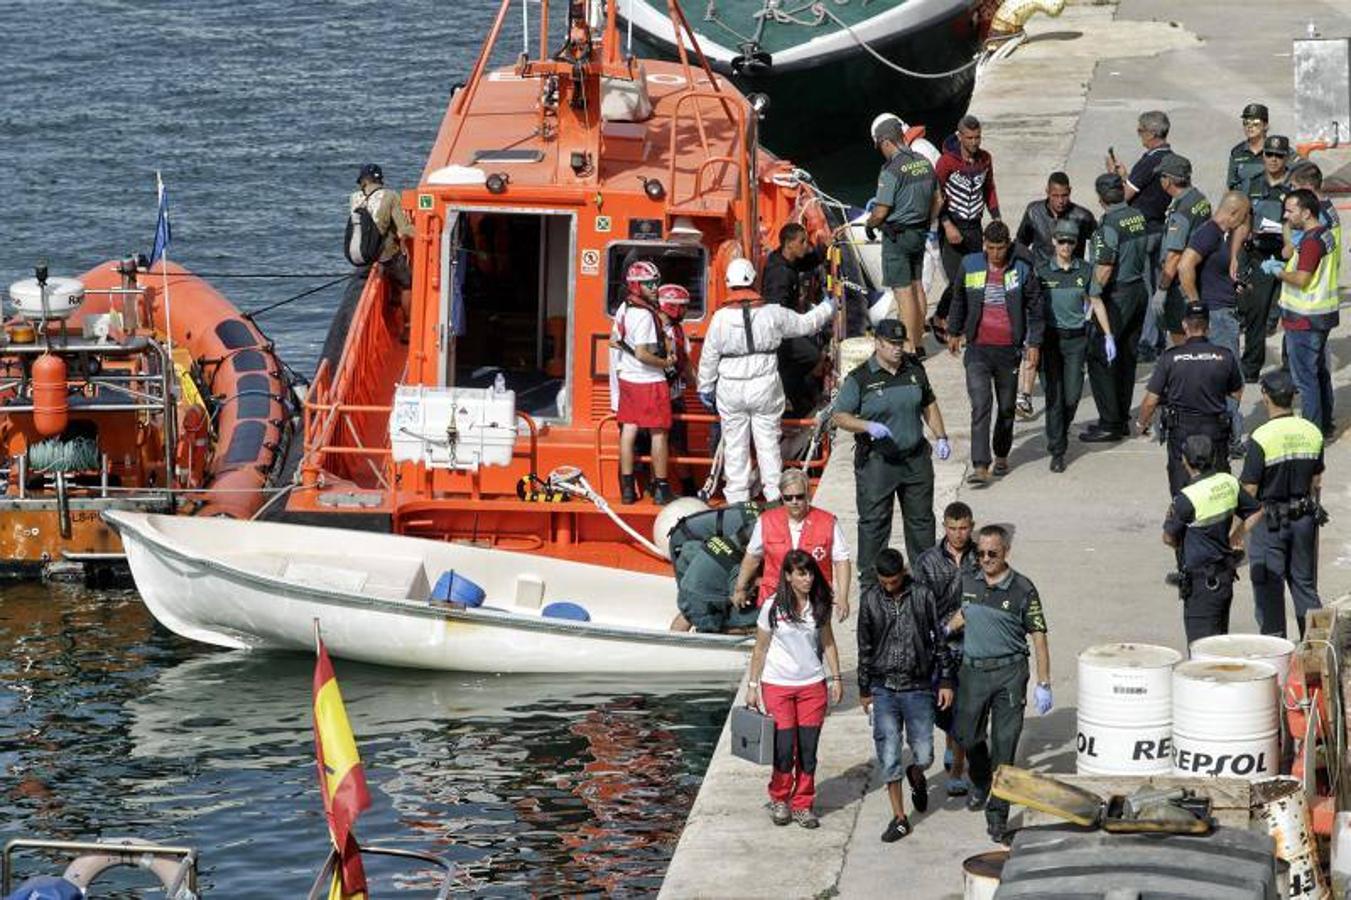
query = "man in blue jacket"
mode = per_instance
[{"x": 996, "y": 312}]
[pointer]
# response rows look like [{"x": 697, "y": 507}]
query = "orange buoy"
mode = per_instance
[
  {"x": 193, "y": 445},
  {"x": 51, "y": 406}
]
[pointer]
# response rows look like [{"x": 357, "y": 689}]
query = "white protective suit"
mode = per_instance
[{"x": 749, "y": 392}]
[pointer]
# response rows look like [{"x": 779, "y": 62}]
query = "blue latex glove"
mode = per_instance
[
  {"x": 1109, "y": 348},
  {"x": 943, "y": 448},
  {"x": 709, "y": 402},
  {"x": 1042, "y": 698},
  {"x": 877, "y": 430},
  {"x": 931, "y": 238},
  {"x": 868, "y": 207},
  {"x": 1272, "y": 266}
]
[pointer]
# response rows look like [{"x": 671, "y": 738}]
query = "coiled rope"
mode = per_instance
[{"x": 79, "y": 454}]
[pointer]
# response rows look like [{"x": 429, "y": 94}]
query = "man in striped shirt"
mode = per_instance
[{"x": 966, "y": 176}]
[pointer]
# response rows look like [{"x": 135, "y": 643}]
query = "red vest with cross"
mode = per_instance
[{"x": 818, "y": 539}]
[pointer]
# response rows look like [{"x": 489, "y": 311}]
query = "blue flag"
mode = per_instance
[{"x": 162, "y": 230}]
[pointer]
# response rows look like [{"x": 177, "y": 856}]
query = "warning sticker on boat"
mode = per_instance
[
  {"x": 590, "y": 262},
  {"x": 424, "y": 201},
  {"x": 602, "y": 223}
]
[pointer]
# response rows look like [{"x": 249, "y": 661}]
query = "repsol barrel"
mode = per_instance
[
  {"x": 1267, "y": 648},
  {"x": 1225, "y": 719},
  {"x": 980, "y": 874},
  {"x": 1126, "y": 709}
]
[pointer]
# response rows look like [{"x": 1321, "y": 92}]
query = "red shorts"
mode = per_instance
[{"x": 647, "y": 405}]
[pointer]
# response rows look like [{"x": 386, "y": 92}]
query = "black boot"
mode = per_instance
[
  {"x": 628, "y": 490},
  {"x": 661, "y": 491}
]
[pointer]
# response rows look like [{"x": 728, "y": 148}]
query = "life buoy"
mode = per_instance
[{"x": 177, "y": 874}]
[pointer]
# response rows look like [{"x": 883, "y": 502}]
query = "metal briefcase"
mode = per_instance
[{"x": 753, "y": 735}]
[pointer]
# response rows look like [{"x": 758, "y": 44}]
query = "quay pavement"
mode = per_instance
[{"x": 1089, "y": 538}]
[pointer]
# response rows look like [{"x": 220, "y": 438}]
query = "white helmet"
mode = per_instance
[
  {"x": 881, "y": 120},
  {"x": 740, "y": 273}
]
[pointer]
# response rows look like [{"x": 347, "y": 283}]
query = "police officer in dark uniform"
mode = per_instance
[
  {"x": 1205, "y": 524},
  {"x": 885, "y": 403},
  {"x": 1193, "y": 380},
  {"x": 1263, "y": 240},
  {"x": 1119, "y": 253},
  {"x": 1245, "y": 159},
  {"x": 1283, "y": 470},
  {"x": 1000, "y": 611},
  {"x": 1187, "y": 210}
]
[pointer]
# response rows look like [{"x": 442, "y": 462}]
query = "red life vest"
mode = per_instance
[{"x": 818, "y": 539}]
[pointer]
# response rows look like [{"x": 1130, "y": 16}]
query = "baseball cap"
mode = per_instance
[
  {"x": 1064, "y": 228},
  {"x": 1255, "y": 111},
  {"x": 371, "y": 171},
  {"x": 1196, "y": 311},
  {"x": 1278, "y": 384},
  {"x": 890, "y": 330},
  {"x": 1276, "y": 143},
  {"x": 1108, "y": 181},
  {"x": 1176, "y": 165}
]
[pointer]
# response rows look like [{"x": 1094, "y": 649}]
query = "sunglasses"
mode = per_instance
[
  {"x": 1066, "y": 240},
  {"x": 794, "y": 498},
  {"x": 1270, "y": 155},
  {"x": 989, "y": 554}
]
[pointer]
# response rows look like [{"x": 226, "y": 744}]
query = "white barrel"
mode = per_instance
[
  {"x": 854, "y": 352},
  {"x": 1267, "y": 648},
  {"x": 1279, "y": 806},
  {"x": 1225, "y": 719},
  {"x": 1126, "y": 709},
  {"x": 980, "y": 874}
]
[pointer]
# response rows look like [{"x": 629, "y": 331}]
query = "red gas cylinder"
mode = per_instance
[
  {"x": 193, "y": 445},
  {"x": 51, "y": 405}
]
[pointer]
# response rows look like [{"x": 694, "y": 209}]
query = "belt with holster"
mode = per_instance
[
  {"x": 1279, "y": 513},
  {"x": 994, "y": 662}
]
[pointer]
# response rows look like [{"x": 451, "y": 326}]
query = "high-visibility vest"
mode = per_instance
[
  {"x": 1213, "y": 498},
  {"x": 1288, "y": 438},
  {"x": 818, "y": 539},
  {"x": 1318, "y": 301}
]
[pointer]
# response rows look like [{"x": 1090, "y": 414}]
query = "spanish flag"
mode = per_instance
[{"x": 341, "y": 778}]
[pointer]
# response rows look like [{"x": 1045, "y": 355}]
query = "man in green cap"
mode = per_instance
[
  {"x": 1187, "y": 209},
  {"x": 1245, "y": 159},
  {"x": 1119, "y": 253},
  {"x": 1263, "y": 240},
  {"x": 885, "y": 403},
  {"x": 1065, "y": 279}
]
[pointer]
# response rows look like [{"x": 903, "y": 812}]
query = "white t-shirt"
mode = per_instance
[
  {"x": 839, "y": 547},
  {"x": 639, "y": 330},
  {"x": 792, "y": 659}
]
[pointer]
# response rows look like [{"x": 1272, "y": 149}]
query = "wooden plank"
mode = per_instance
[{"x": 1230, "y": 798}]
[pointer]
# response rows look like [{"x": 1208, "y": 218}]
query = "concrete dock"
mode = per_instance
[{"x": 1089, "y": 538}]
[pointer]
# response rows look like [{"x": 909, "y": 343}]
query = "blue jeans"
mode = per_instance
[
  {"x": 1307, "y": 351},
  {"x": 1225, "y": 331},
  {"x": 892, "y": 711}
]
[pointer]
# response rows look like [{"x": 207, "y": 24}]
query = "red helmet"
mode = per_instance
[
  {"x": 673, "y": 298},
  {"x": 641, "y": 274}
]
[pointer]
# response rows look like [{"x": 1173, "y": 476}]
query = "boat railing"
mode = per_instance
[
  {"x": 815, "y": 465},
  {"x": 323, "y": 883},
  {"x": 175, "y": 867},
  {"x": 737, "y": 158}
]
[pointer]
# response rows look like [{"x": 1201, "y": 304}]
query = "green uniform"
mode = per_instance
[
  {"x": 992, "y": 685},
  {"x": 734, "y": 519},
  {"x": 906, "y": 184},
  {"x": 1122, "y": 241},
  {"x": 1257, "y": 306},
  {"x": 706, "y": 575},
  {"x": 899, "y": 466},
  {"x": 1243, "y": 164},
  {"x": 1185, "y": 214},
  {"x": 1064, "y": 346}
]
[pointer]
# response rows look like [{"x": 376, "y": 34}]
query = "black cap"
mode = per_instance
[
  {"x": 890, "y": 330},
  {"x": 371, "y": 171},
  {"x": 1175, "y": 165},
  {"x": 1276, "y": 143},
  {"x": 1255, "y": 111},
  {"x": 1108, "y": 181},
  {"x": 1199, "y": 452},
  {"x": 1196, "y": 311},
  {"x": 1279, "y": 386}
]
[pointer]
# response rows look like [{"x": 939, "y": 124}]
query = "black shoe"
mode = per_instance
[
  {"x": 1251, "y": 379},
  {"x": 628, "y": 489},
  {"x": 975, "y": 801},
  {"x": 1146, "y": 354},
  {"x": 1058, "y": 463},
  {"x": 661, "y": 492},
  {"x": 1096, "y": 435},
  {"x": 1271, "y": 328},
  {"x": 897, "y": 829},
  {"x": 998, "y": 832},
  {"x": 1237, "y": 450},
  {"x": 919, "y": 788}
]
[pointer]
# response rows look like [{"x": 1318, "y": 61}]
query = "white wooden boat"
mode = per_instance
[{"x": 261, "y": 585}]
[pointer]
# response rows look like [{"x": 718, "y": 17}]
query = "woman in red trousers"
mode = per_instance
[{"x": 794, "y": 646}]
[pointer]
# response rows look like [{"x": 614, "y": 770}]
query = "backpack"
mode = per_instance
[{"x": 363, "y": 239}]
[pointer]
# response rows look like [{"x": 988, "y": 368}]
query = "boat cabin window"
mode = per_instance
[
  {"x": 683, "y": 264},
  {"x": 513, "y": 305}
]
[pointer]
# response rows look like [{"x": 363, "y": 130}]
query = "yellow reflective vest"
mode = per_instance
[{"x": 1317, "y": 302}]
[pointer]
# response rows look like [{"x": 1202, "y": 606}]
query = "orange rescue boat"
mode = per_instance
[
  {"x": 131, "y": 389},
  {"x": 484, "y": 414}
]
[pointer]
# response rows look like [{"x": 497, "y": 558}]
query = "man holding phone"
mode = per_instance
[{"x": 1145, "y": 193}]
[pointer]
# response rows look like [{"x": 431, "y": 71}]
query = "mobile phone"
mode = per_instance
[{"x": 1111, "y": 151}]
